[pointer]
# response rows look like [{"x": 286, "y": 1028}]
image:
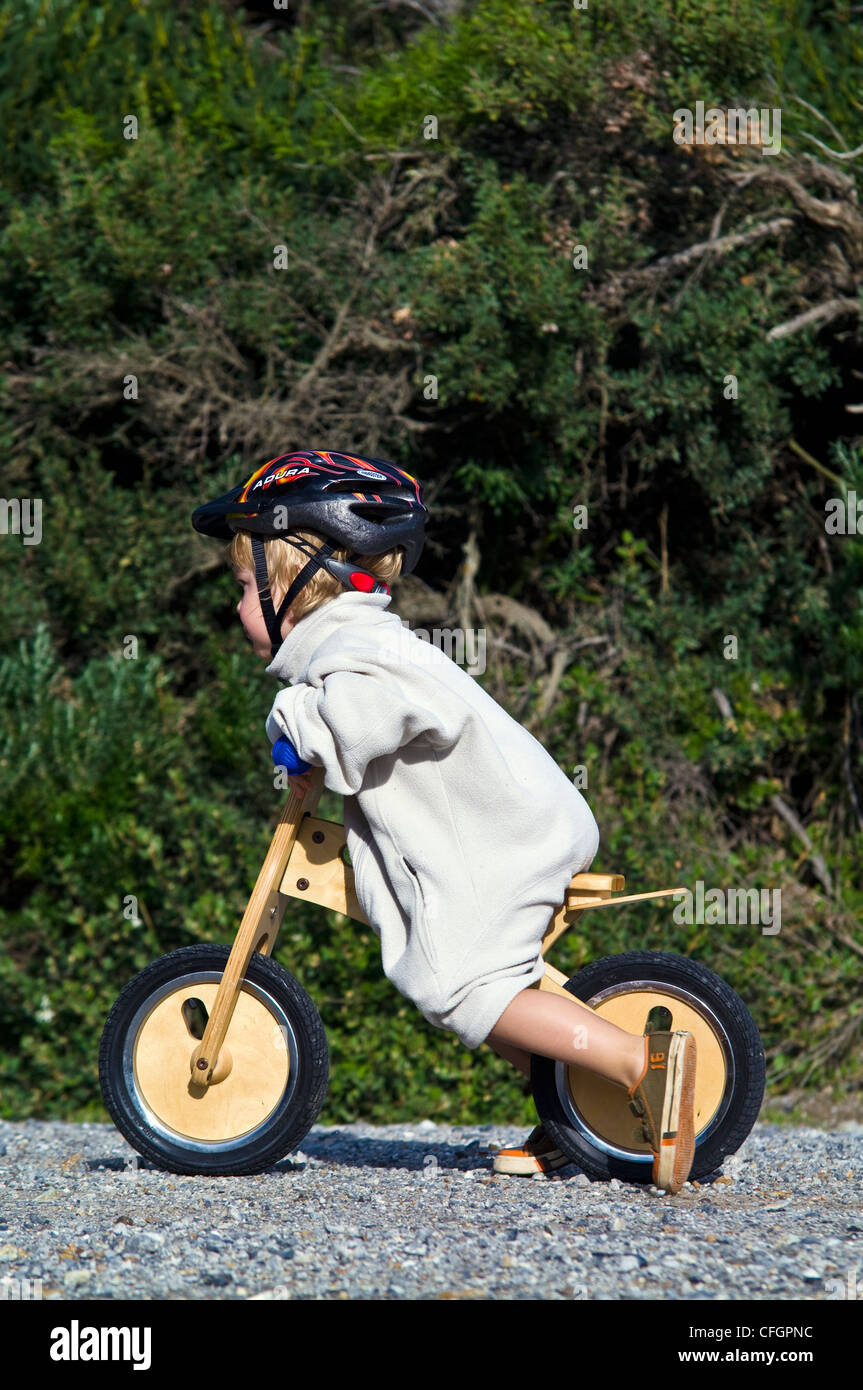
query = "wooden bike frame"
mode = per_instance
[{"x": 306, "y": 860}]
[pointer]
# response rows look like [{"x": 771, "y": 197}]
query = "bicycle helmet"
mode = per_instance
[{"x": 365, "y": 506}]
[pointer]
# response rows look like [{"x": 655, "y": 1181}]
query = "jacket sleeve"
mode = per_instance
[{"x": 352, "y": 718}]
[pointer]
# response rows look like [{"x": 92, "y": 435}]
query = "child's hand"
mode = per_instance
[{"x": 285, "y": 755}]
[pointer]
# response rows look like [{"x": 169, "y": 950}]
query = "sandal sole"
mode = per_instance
[{"x": 671, "y": 1166}]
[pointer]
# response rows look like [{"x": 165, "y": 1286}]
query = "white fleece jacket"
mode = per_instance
[{"x": 463, "y": 831}]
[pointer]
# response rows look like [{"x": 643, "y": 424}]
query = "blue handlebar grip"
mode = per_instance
[{"x": 285, "y": 755}]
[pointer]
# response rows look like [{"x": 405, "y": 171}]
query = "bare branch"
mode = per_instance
[
  {"x": 822, "y": 313},
  {"x": 465, "y": 591},
  {"x": 201, "y": 567},
  {"x": 560, "y": 661},
  {"x": 418, "y": 426},
  {"x": 835, "y": 178},
  {"x": 720, "y": 246},
  {"x": 346, "y": 123},
  {"x": 834, "y": 154},
  {"x": 818, "y": 865},
  {"x": 518, "y": 615},
  {"x": 815, "y": 112},
  {"x": 840, "y": 214},
  {"x": 392, "y": 5},
  {"x": 807, "y": 458},
  {"x": 851, "y": 707}
]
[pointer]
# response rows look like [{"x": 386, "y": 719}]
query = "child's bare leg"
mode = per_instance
[
  {"x": 516, "y": 1055},
  {"x": 567, "y": 1031}
]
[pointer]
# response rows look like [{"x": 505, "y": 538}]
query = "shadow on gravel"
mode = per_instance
[
  {"x": 350, "y": 1151},
  {"x": 143, "y": 1165}
]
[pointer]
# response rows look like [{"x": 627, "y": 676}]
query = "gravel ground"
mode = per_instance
[{"x": 414, "y": 1212}]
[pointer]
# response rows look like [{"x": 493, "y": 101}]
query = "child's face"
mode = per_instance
[{"x": 250, "y": 615}]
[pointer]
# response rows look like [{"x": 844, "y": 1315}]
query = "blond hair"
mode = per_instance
[{"x": 284, "y": 562}]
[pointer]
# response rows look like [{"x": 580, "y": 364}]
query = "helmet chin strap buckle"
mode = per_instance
[{"x": 354, "y": 578}]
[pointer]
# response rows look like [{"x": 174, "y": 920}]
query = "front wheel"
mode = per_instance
[
  {"x": 589, "y": 1119},
  {"x": 274, "y": 1065}
]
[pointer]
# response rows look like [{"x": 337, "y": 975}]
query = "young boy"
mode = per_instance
[{"x": 463, "y": 832}]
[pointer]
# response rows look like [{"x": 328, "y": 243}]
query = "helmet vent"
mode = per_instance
[{"x": 379, "y": 511}]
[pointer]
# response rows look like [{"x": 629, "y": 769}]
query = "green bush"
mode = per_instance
[{"x": 133, "y": 758}]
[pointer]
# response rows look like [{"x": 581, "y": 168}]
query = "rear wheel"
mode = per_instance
[
  {"x": 269, "y": 1085},
  {"x": 589, "y": 1118}
]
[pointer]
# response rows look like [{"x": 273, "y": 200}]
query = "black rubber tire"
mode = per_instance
[
  {"x": 744, "y": 1092},
  {"x": 295, "y": 1112}
]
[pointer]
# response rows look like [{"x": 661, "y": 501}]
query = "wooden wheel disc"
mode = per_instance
[
  {"x": 225, "y": 1110},
  {"x": 604, "y": 1107}
]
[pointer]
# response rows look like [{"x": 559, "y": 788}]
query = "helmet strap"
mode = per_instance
[{"x": 342, "y": 570}]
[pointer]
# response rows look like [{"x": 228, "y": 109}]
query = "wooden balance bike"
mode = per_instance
[{"x": 214, "y": 1060}]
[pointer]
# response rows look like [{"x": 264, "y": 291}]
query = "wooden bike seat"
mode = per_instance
[{"x": 597, "y": 883}]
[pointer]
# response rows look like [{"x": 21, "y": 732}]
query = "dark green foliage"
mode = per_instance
[{"x": 144, "y": 772}]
